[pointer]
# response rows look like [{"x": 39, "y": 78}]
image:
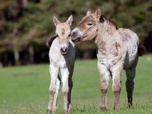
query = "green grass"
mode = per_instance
[{"x": 24, "y": 89}]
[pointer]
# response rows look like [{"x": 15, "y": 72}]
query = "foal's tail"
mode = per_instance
[
  {"x": 141, "y": 50},
  {"x": 50, "y": 40}
]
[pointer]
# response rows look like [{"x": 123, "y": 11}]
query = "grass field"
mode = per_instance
[{"x": 24, "y": 90}]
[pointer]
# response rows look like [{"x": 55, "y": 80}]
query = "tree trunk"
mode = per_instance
[
  {"x": 31, "y": 54},
  {"x": 24, "y": 4},
  {"x": 16, "y": 57}
]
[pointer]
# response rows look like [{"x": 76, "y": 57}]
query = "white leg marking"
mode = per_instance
[
  {"x": 56, "y": 95},
  {"x": 65, "y": 88},
  {"x": 52, "y": 89}
]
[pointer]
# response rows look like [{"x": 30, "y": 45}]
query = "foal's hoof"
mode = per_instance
[
  {"x": 116, "y": 107},
  {"x": 103, "y": 108},
  {"x": 70, "y": 108},
  {"x": 50, "y": 111},
  {"x": 130, "y": 106}
]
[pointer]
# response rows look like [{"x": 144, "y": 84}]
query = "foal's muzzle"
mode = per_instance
[
  {"x": 75, "y": 35},
  {"x": 64, "y": 50}
]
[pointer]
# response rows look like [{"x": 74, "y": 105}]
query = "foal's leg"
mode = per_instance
[
  {"x": 56, "y": 95},
  {"x": 116, "y": 85},
  {"x": 53, "y": 88},
  {"x": 69, "y": 94},
  {"x": 104, "y": 79},
  {"x": 65, "y": 88},
  {"x": 130, "y": 84}
]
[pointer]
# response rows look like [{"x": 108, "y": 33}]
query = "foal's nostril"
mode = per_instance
[
  {"x": 64, "y": 50},
  {"x": 74, "y": 34}
]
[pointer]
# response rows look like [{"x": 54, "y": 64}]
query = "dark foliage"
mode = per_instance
[{"x": 28, "y": 23}]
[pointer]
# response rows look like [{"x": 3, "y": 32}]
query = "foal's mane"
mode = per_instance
[
  {"x": 103, "y": 18},
  {"x": 50, "y": 40}
]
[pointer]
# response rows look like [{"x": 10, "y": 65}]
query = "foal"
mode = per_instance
[
  {"x": 62, "y": 58},
  {"x": 117, "y": 50}
]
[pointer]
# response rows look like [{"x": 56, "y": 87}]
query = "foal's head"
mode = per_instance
[
  {"x": 63, "y": 33},
  {"x": 87, "y": 27}
]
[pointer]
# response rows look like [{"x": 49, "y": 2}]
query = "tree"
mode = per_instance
[{"x": 27, "y": 24}]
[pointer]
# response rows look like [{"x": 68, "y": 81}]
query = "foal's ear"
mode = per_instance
[
  {"x": 89, "y": 12},
  {"x": 70, "y": 20},
  {"x": 55, "y": 21},
  {"x": 98, "y": 13}
]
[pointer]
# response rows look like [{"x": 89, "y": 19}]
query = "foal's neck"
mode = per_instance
[
  {"x": 106, "y": 35},
  {"x": 106, "y": 28}
]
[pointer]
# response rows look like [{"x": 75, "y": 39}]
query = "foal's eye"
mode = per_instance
[
  {"x": 90, "y": 24},
  {"x": 69, "y": 35}
]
